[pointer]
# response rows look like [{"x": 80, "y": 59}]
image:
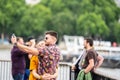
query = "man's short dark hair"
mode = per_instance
[
  {"x": 52, "y": 33},
  {"x": 90, "y": 41},
  {"x": 30, "y": 38}
]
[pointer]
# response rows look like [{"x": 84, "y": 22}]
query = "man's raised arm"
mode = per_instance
[
  {"x": 30, "y": 50},
  {"x": 24, "y": 48}
]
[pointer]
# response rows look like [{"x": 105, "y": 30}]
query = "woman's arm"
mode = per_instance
[
  {"x": 34, "y": 72},
  {"x": 45, "y": 76},
  {"x": 41, "y": 77}
]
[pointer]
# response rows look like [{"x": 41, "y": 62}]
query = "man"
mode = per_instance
[
  {"x": 89, "y": 60},
  {"x": 18, "y": 61},
  {"x": 48, "y": 56}
]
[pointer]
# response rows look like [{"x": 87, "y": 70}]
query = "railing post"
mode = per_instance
[
  {"x": 72, "y": 75},
  {"x": 5, "y": 70}
]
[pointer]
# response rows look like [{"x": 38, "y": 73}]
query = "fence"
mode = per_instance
[
  {"x": 5, "y": 71},
  {"x": 64, "y": 72}
]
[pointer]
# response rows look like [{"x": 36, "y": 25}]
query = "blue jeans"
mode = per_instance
[
  {"x": 26, "y": 76},
  {"x": 18, "y": 76}
]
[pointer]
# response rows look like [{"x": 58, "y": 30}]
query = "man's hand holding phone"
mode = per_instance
[{"x": 13, "y": 39}]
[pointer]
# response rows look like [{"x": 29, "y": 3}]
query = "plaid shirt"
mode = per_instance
[{"x": 48, "y": 59}]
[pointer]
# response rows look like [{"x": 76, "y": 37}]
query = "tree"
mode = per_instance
[
  {"x": 63, "y": 23},
  {"x": 110, "y": 14},
  {"x": 91, "y": 24},
  {"x": 64, "y": 16},
  {"x": 22, "y": 19},
  {"x": 9, "y": 11},
  {"x": 34, "y": 20},
  {"x": 116, "y": 31}
]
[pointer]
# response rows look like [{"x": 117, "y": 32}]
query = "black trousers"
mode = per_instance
[
  {"x": 76, "y": 73},
  {"x": 95, "y": 76}
]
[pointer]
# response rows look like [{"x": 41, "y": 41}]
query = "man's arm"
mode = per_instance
[
  {"x": 24, "y": 48},
  {"x": 100, "y": 61},
  {"x": 90, "y": 66},
  {"x": 27, "y": 49}
]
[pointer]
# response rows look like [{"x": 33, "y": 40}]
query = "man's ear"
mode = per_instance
[{"x": 55, "y": 39}]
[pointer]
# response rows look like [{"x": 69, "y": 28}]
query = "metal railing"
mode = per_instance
[
  {"x": 64, "y": 72},
  {"x": 5, "y": 70}
]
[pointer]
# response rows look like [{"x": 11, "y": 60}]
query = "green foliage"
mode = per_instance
[
  {"x": 34, "y": 20},
  {"x": 10, "y": 12},
  {"x": 92, "y": 24},
  {"x": 116, "y": 31},
  {"x": 98, "y": 18}
]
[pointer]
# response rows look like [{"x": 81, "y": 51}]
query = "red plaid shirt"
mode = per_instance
[{"x": 48, "y": 59}]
